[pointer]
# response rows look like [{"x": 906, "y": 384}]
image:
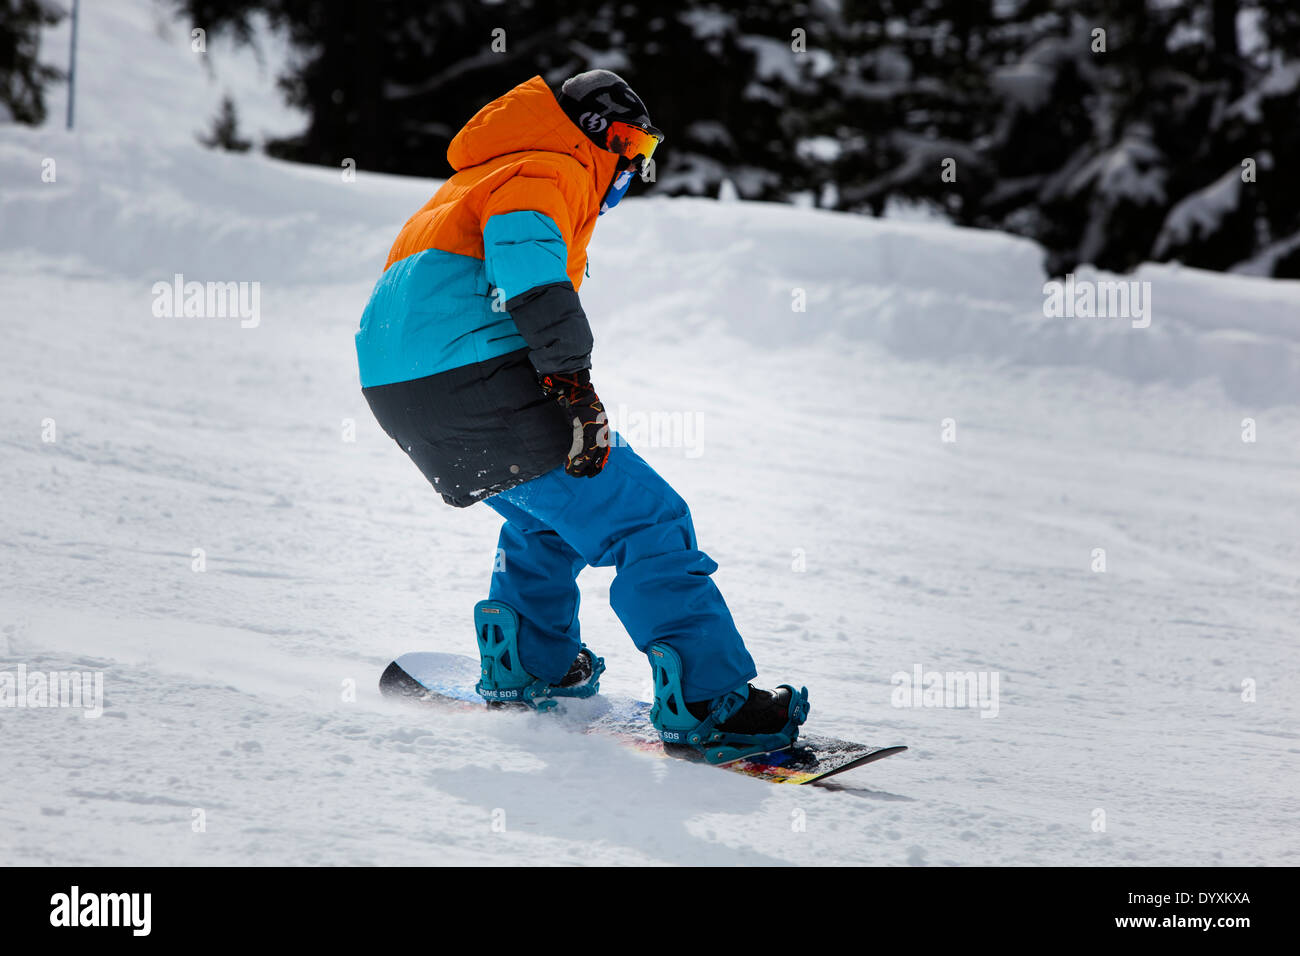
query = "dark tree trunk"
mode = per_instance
[{"x": 1226, "y": 51}]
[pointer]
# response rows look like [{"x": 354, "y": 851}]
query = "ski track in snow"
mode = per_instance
[{"x": 820, "y": 433}]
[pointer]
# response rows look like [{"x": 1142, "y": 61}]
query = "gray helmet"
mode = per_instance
[{"x": 597, "y": 98}]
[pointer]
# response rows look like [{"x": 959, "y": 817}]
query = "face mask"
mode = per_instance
[{"x": 622, "y": 180}]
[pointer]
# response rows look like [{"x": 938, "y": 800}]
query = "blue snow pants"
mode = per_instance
[{"x": 630, "y": 518}]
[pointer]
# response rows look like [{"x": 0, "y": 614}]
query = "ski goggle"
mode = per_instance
[{"x": 632, "y": 142}]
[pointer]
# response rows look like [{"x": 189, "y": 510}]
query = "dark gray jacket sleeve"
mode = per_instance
[{"x": 551, "y": 320}]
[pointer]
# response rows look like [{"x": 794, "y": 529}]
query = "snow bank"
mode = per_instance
[
  {"x": 135, "y": 197},
  {"x": 123, "y": 208},
  {"x": 767, "y": 274}
]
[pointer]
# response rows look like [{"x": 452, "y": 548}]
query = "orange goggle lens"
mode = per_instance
[{"x": 632, "y": 141}]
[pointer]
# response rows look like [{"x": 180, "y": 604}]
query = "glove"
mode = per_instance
[{"x": 590, "y": 448}]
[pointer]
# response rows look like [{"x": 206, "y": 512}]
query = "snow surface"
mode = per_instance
[{"x": 818, "y": 445}]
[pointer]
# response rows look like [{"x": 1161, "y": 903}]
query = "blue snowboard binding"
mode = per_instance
[
  {"x": 503, "y": 679},
  {"x": 728, "y": 727}
]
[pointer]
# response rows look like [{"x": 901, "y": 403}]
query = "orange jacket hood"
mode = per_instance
[{"x": 525, "y": 119}]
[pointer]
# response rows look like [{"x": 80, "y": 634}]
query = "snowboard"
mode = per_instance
[{"x": 448, "y": 680}]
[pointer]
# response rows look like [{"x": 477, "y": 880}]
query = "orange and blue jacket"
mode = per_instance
[{"x": 492, "y": 264}]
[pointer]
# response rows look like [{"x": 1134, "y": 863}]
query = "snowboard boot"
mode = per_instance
[
  {"x": 503, "y": 680},
  {"x": 741, "y": 723}
]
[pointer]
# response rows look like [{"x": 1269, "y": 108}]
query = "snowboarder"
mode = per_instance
[{"x": 475, "y": 356}]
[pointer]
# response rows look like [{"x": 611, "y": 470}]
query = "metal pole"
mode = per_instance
[{"x": 72, "y": 61}]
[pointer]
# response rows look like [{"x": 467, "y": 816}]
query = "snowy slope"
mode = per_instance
[
  {"x": 140, "y": 76},
  {"x": 817, "y": 445}
]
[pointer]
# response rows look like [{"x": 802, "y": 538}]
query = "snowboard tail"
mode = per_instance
[{"x": 447, "y": 680}]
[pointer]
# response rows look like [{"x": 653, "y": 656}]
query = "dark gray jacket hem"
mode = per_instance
[{"x": 476, "y": 430}]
